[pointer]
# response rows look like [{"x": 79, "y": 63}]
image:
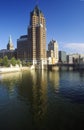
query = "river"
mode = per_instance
[{"x": 42, "y": 100}]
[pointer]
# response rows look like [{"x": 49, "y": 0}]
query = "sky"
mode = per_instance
[{"x": 64, "y": 22}]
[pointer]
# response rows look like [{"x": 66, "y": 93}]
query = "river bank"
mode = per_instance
[{"x": 13, "y": 69}]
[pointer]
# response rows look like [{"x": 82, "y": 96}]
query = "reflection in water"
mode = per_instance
[
  {"x": 54, "y": 79},
  {"x": 9, "y": 80},
  {"x": 33, "y": 90},
  {"x": 25, "y": 87},
  {"x": 39, "y": 90},
  {"x": 37, "y": 100}
]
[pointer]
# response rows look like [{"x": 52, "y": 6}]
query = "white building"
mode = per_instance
[
  {"x": 73, "y": 58},
  {"x": 52, "y": 53},
  {"x": 70, "y": 59}
]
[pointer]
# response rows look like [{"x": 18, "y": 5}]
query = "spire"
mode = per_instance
[
  {"x": 36, "y": 11},
  {"x": 10, "y": 44},
  {"x": 10, "y": 40},
  {"x": 36, "y": 7}
]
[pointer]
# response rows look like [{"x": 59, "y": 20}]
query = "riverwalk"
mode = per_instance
[{"x": 13, "y": 69}]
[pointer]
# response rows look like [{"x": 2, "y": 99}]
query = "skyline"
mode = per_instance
[{"x": 64, "y": 22}]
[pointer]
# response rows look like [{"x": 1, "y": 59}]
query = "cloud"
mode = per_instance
[{"x": 74, "y": 47}]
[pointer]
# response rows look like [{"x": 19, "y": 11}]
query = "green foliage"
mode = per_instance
[
  {"x": 5, "y": 61},
  {"x": 18, "y": 62},
  {"x": 0, "y": 61},
  {"x": 13, "y": 61},
  {"x": 24, "y": 63},
  {"x": 28, "y": 63}
]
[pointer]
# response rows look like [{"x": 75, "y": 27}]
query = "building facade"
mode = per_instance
[
  {"x": 10, "y": 44},
  {"x": 73, "y": 58},
  {"x": 52, "y": 52},
  {"x": 22, "y": 48},
  {"x": 33, "y": 46},
  {"x": 10, "y": 51},
  {"x": 62, "y": 57},
  {"x": 70, "y": 59}
]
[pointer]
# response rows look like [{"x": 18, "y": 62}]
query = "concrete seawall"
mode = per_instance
[{"x": 13, "y": 69}]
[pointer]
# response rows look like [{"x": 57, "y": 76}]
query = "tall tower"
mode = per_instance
[
  {"x": 53, "y": 50},
  {"x": 10, "y": 44},
  {"x": 37, "y": 36}
]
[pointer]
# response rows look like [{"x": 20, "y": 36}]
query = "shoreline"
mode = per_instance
[{"x": 13, "y": 69}]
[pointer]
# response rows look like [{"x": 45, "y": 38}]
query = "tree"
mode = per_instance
[
  {"x": 23, "y": 63},
  {"x": 5, "y": 61},
  {"x": 28, "y": 64},
  {"x": 18, "y": 62},
  {"x": 13, "y": 61},
  {"x": 0, "y": 61}
]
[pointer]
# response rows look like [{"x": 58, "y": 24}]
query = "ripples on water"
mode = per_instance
[{"x": 41, "y": 100}]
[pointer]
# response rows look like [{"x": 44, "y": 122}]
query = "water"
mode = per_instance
[{"x": 42, "y": 100}]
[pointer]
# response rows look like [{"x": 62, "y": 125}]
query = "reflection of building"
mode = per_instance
[
  {"x": 54, "y": 79},
  {"x": 52, "y": 52},
  {"x": 62, "y": 56},
  {"x": 9, "y": 52},
  {"x": 39, "y": 90},
  {"x": 32, "y": 47}
]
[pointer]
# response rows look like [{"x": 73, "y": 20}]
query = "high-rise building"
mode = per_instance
[
  {"x": 35, "y": 41},
  {"x": 52, "y": 52},
  {"x": 10, "y": 44},
  {"x": 62, "y": 56},
  {"x": 37, "y": 35},
  {"x": 23, "y": 48}
]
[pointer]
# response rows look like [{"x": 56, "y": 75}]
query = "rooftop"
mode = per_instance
[{"x": 37, "y": 11}]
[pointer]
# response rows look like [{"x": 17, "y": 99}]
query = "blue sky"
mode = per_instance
[{"x": 64, "y": 22}]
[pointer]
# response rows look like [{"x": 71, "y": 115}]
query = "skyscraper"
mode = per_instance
[
  {"x": 37, "y": 35},
  {"x": 52, "y": 52},
  {"x": 35, "y": 39}
]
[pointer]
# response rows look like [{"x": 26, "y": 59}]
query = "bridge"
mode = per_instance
[{"x": 65, "y": 66}]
